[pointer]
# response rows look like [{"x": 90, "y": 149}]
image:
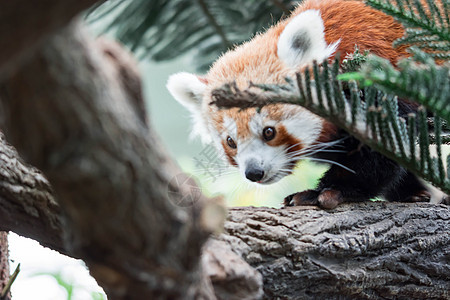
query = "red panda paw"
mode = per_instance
[
  {"x": 326, "y": 198},
  {"x": 308, "y": 197},
  {"x": 421, "y": 196},
  {"x": 329, "y": 198}
]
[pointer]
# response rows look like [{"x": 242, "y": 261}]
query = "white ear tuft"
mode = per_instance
[
  {"x": 303, "y": 40},
  {"x": 187, "y": 89}
]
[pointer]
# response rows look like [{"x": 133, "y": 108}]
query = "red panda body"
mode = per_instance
[{"x": 266, "y": 144}]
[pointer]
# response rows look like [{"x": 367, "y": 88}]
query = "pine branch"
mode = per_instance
[
  {"x": 427, "y": 25},
  {"x": 415, "y": 15},
  {"x": 371, "y": 117},
  {"x": 214, "y": 24},
  {"x": 425, "y": 83},
  {"x": 165, "y": 29}
]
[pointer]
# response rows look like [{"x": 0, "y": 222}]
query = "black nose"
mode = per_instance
[{"x": 254, "y": 174}]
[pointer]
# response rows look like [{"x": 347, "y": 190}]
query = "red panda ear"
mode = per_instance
[
  {"x": 187, "y": 89},
  {"x": 303, "y": 40}
]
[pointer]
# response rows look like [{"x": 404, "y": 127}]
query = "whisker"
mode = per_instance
[
  {"x": 296, "y": 153},
  {"x": 290, "y": 147},
  {"x": 322, "y": 147},
  {"x": 330, "y": 162}
]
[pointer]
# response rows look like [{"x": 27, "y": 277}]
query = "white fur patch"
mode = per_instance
[
  {"x": 230, "y": 128},
  {"x": 188, "y": 90},
  {"x": 303, "y": 125},
  {"x": 275, "y": 161},
  {"x": 270, "y": 159},
  {"x": 303, "y": 40}
]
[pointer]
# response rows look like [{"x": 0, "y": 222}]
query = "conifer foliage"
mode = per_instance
[{"x": 166, "y": 29}]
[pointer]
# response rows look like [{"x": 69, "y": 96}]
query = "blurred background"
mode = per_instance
[{"x": 167, "y": 37}]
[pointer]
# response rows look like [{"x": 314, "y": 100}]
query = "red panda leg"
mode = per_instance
[
  {"x": 327, "y": 198},
  {"x": 308, "y": 197},
  {"x": 369, "y": 175},
  {"x": 410, "y": 189}
]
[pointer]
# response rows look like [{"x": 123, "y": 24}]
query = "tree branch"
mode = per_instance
[
  {"x": 212, "y": 21},
  {"x": 27, "y": 205},
  {"x": 362, "y": 251}
]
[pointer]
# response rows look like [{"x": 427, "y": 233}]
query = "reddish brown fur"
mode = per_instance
[
  {"x": 242, "y": 120},
  {"x": 282, "y": 137},
  {"x": 327, "y": 133},
  {"x": 355, "y": 23},
  {"x": 351, "y": 21},
  {"x": 276, "y": 112},
  {"x": 348, "y": 20},
  {"x": 230, "y": 153}
]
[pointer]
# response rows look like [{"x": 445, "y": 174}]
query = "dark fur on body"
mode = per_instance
[{"x": 375, "y": 175}]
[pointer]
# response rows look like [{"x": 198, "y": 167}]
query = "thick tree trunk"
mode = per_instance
[{"x": 75, "y": 111}]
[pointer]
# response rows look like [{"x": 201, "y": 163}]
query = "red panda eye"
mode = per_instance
[
  {"x": 231, "y": 143},
  {"x": 269, "y": 133}
]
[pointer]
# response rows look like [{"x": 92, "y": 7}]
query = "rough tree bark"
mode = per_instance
[
  {"x": 72, "y": 112},
  {"x": 365, "y": 251},
  {"x": 27, "y": 205},
  {"x": 4, "y": 264}
]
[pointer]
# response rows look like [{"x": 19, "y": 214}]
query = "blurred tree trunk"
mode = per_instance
[
  {"x": 75, "y": 111},
  {"x": 4, "y": 264}
]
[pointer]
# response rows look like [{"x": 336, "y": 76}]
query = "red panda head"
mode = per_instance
[{"x": 264, "y": 144}]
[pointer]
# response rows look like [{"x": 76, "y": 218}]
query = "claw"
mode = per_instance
[{"x": 422, "y": 196}]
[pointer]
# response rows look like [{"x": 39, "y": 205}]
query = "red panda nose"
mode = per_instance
[{"x": 254, "y": 174}]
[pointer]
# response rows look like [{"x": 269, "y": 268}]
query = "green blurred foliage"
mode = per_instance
[
  {"x": 70, "y": 287},
  {"x": 221, "y": 179},
  {"x": 166, "y": 29}
]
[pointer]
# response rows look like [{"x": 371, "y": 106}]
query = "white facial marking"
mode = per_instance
[
  {"x": 275, "y": 161},
  {"x": 230, "y": 128},
  {"x": 254, "y": 152},
  {"x": 303, "y": 40}
]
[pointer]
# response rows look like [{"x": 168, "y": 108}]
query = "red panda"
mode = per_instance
[{"x": 266, "y": 144}]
